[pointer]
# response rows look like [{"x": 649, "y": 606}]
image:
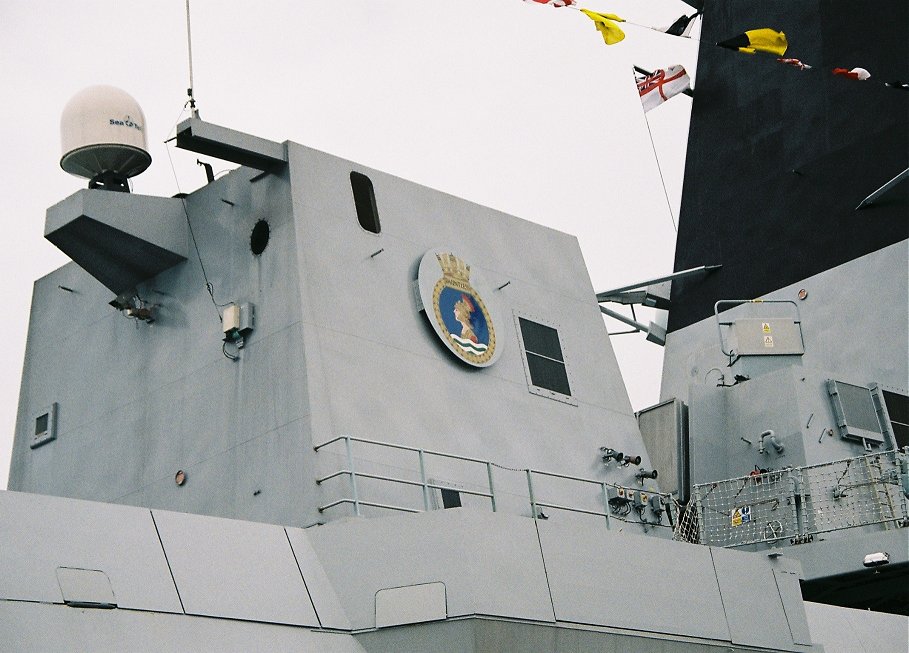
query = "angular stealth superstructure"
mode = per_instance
[
  {"x": 340, "y": 344},
  {"x": 779, "y": 162},
  {"x": 312, "y": 406}
]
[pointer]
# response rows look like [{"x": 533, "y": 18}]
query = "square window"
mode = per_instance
[
  {"x": 45, "y": 426},
  {"x": 450, "y": 498}
]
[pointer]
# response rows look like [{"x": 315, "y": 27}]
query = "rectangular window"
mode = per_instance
[
  {"x": 898, "y": 409},
  {"x": 544, "y": 360}
]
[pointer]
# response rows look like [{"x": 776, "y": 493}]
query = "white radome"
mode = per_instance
[{"x": 102, "y": 130}]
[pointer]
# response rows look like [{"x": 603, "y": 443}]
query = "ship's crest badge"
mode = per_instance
[{"x": 456, "y": 309}]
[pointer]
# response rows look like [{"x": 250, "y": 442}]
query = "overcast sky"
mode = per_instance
[{"x": 519, "y": 107}]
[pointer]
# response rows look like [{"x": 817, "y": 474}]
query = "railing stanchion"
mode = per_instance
[
  {"x": 605, "y": 505},
  {"x": 423, "y": 480},
  {"x": 533, "y": 502},
  {"x": 492, "y": 492},
  {"x": 353, "y": 477}
]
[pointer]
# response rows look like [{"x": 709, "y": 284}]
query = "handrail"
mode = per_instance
[
  {"x": 391, "y": 445},
  {"x": 738, "y": 302},
  {"x": 535, "y": 504}
]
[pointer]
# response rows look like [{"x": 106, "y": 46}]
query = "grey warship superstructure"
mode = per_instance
[{"x": 314, "y": 406}]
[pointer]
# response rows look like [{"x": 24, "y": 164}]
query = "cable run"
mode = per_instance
[{"x": 208, "y": 284}]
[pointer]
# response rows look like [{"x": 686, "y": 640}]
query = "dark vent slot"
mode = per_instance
[{"x": 365, "y": 200}]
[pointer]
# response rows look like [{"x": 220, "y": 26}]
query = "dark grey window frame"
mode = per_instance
[{"x": 531, "y": 386}]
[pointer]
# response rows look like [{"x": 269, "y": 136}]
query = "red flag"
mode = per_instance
[{"x": 855, "y": 73}]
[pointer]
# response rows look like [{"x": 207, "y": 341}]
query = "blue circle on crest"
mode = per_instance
[{"x": 455, "y": 307}]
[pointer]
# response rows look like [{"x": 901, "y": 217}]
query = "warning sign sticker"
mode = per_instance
[
  {"x": 768, "y": 341},
  {"x": 765, "y": 327},
  {"x": 741, "y": 515}
]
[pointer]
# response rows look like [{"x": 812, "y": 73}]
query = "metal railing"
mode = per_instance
[
  {"x": 424, "y": 482},
  {"x": 798, "y": 503},
  {"x": 535, "y": 504}
]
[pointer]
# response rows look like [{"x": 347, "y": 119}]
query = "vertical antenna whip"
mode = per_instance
[{"x": 189, "y": 43}]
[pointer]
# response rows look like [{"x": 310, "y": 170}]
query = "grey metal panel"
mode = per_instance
[
  {"x": 116, "y": 258},
  {"x": 89, "y": 587},
  {"x": 490, "y": 563},
  {"x": 356, "y": 345},
  {"x": 156, "y": 220},
  {"x": 767, "y": 337},
  {"x": 410, "y": 604},
  {"x": 325, "y": 601},
  {"x": 843, "y": 555},
  {"x": 121, "y": 241},
  {"x": 38, "y": 534},
  {"x": 163, "y": 396},
  {"x": 837, "y": 297},
  {"x": 707, "y": 437},
  {"x": 605, "y": 578},
  {"x": 790, "y": 592},
  {"x": 484, "y": 635},
  {"x": 39, "y": 628},
  {"x": 844, "y": 630},
  {"x": 206, "y": 138},
  {"x": 753, "y": 604},
  {"x": 661, "y": 428},
  {"x": 235, "y": 569}
]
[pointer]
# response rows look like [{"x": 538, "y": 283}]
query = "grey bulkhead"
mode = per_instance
[
  {"x": 850, "y": 335},
  {"x": 339, "y": 348}
]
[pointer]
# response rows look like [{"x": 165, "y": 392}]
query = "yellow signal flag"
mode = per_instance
[
  {"x": 606, "y": 25},
  {"x": 758, "y": 40}
]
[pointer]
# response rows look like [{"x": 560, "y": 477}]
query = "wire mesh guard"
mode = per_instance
[{"x": 797, "y": 503}]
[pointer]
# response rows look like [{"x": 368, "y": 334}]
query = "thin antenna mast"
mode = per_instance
[{"x": 189, "y": 43}]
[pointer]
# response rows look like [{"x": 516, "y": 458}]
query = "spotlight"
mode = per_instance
[{"x": 876, "y": 559}]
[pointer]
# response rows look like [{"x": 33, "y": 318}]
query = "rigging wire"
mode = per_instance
[
  {"x": 660, "y": 171},
  {"x": 209, "y": 286}
]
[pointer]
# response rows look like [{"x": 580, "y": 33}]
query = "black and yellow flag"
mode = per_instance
[{"x": 758, "y": 40}]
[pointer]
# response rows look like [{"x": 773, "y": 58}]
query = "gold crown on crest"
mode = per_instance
[{"x": 454, "y": 268}]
